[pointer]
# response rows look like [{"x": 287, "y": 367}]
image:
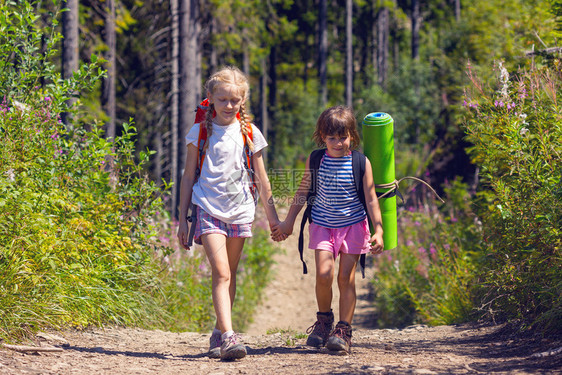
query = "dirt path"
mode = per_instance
[{"x": 275, "y": 346}]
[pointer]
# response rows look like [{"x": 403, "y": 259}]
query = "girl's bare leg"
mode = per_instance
[
  {"x": 223, "y": 255},
  {"x": 346, "y": 284},
  {"x": 324, "y": 278}
]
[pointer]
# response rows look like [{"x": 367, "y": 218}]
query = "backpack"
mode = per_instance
[
  {"x": 358, "y": 162},
  {"x": 200, "y": 116}
]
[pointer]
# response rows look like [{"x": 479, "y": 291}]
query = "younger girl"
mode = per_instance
[
  {"x": 339, "y": 224},
  {"x": 222, "y": 196}
]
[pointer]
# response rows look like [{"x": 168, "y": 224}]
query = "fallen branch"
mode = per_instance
[
  {"x": 548, "y": 353},
  {"x": 546, "y": 51},
  {"x": 26, "y": 349}
]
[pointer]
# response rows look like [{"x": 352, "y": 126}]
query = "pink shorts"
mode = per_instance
[
  {"x": 207, "y": 224},
  {"x": 353, "y": 239}
]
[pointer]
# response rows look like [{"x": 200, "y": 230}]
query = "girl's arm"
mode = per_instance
[
  {"x": 186, "y": 188},
  {"x": 264, "y": 189},
  {"x": 299, "y": 200},
  {"x": 373, "y": 208}
]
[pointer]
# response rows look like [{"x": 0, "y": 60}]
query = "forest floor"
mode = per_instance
[{"x": 276, "y": 342}]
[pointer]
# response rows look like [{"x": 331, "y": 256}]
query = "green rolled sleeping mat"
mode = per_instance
[{"x": 378, "y": 146}]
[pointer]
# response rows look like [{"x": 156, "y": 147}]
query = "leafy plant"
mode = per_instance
[
  {"x": 84, "y": 238},
  {"x": 516, "y": 129},
  {"x": 429, "y": 277}
]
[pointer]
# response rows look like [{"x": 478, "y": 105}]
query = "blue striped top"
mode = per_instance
[{"x": 337, "y": 204}]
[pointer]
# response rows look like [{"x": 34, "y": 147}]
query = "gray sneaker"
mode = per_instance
[
  {"x": 215, "y": 345},
  {"x": 231, "y": 349},
  {"x": 320, "y": 330}
]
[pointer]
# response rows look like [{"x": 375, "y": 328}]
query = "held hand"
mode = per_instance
[
  {"x": 377, "y": 244},
  {"x": 286, "y": 228},
  {"x": 183, "y": 234},
  {"x": 276, "y": 234}
]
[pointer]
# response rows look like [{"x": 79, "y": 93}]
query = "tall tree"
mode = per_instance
[
  {"x": 189, "y": 86},
  {"x": 323, "y": 51},
  {"x": 416, "y": 20},
  {"x": 70, "y": 52},
  {"x": 381, "y": 31},
  {"x": 457, "y": 6},
  {"x": 349, "y": 53},
  {"x": 108, "y": 84},
  {"x": 174, "y": 107},
  {"x": 263, "y": 103}
]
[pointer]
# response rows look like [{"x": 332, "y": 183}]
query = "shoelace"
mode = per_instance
[
  {"x": 341, "y": 333},
  {"x": 310, "y": 329},
  {"x": 233, "y": 340}
]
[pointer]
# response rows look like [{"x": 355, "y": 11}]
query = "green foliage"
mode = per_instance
[
  {"x": 295, "y": 121},
  {"x": 556, "y": 9},
  {"x": 411, "y": 99},
  {"x": 504, "y": 30},
  {"x": 79, "y": 239},
  {"x": 516, "y": 129},
  {"x": 74, "y": 239},
  {"x": 428, "y": 278}
]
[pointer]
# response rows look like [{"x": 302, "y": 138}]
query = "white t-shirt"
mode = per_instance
[{"x": 223, "y": 188}]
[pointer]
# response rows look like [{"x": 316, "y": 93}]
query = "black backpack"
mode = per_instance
[{"x": 358, "y": 167}]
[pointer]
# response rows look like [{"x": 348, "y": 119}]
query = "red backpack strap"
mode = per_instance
[
  {"x": 247, "y": 151},
  {"x": 248, "y": 161},
  {"x": 201, "y": 140}
]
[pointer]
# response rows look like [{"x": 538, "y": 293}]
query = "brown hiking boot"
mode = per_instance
[
  {"x": 340, "y": 338},
  {"x": 320, "y": 330}
]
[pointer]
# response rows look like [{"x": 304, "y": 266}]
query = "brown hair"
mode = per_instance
[
  {"x": 230, "y": 75},
  {"x": 338, "y": 120}
]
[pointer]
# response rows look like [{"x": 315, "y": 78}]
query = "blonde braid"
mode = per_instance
[
  {"x": 244, "y": 123},
  {"x": 209, "y": 123}
]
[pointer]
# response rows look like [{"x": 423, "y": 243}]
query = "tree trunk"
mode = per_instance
[
  {"x": 245, "y": 55},
  {"x": 158, "y": 161},
  {"x": 70, "y": 50},
  {"x": 349, "y": 53},
  {"x": 272, "y": 79},
  {"x": 323, "y": 51},
  {"x": 382, "y": 21},
  {"x": 188, "y": 85},
  {"x": 108, "y": 84},
  {"x": 395, "y": 48},
  {"x": 174, "y": 109},
  {"x": 213, "y": 60},
  {"x": 263, "y": 105},
  {"x": 457, "y": 4},
  {"x": 416, "y": 20},
  {"x": 196, "y": 42}
]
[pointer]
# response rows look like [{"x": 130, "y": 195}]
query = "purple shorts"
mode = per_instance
[
  {"x": 207, "y": 224},
  {"x": 353, "y": 239}
]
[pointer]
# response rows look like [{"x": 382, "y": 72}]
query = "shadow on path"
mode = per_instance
[{"x": 151, "y": 355}]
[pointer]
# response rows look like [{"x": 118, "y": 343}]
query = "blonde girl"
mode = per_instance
[{"x": 222, "y": 196}]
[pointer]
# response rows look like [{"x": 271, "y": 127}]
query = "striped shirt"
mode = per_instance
[{"x": 337, "y": 204}]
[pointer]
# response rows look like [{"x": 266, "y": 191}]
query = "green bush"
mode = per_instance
[
  {"x": 428, "y": 278},
  {"x": 74, "y": 244},
  {"x": 84, "y": 238},
  {"x": 516, "y": 129}
]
